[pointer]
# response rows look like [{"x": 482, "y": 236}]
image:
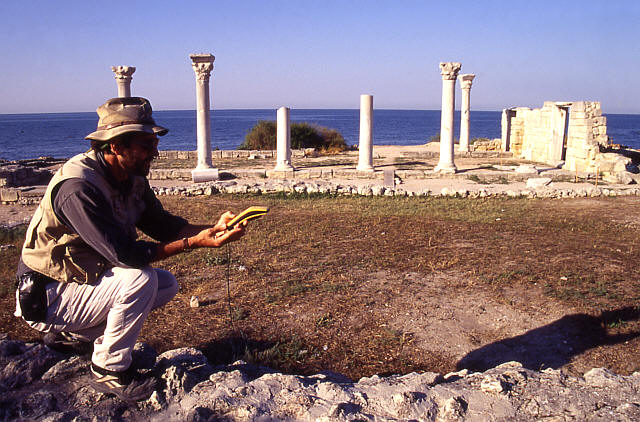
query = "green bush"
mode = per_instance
[
  {"x": 261, "y": 136},
  {"x": 303, "y": 135}
]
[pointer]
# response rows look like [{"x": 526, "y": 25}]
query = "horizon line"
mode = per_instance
[{"x": 275, "y": 109}]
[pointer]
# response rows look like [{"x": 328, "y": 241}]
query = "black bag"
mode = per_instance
[{"x": 32, "y": 295}]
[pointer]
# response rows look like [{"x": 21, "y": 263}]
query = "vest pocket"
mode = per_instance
[{"x": 84, "y": 265}]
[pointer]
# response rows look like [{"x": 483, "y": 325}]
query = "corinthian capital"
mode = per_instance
[
  {"x": 449, "y": 70},
  {"x": 123, "y": 72},
  {"x": 466, "y": 80},
  {"x": 202, "y": 65}
]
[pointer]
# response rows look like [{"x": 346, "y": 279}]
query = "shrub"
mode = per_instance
[
  {"x": 303, "y": 135},
  {"x": 261, "y": 136}
]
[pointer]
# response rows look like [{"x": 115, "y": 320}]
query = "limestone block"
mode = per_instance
[
  {"x": 577, "y": 106},
  {"x": 9, "y": 195},
  {"x": 216, "y": 154},
  {"x": 303, "y": 174},
  {"x": 327, "y": 173},
  {"x": 346, "y": 173},
  {"x": 538, "y": 182},
  {"x": 204, "y": 175},
  {"x": 600, "y": 120},
  {"x": 526, "y": 169},
  {"x": 183, "y": 155},
  {"x": 281, "y": 174},
  {"x": 315, "y": 173}
]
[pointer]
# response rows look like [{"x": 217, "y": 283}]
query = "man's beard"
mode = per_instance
[{"x": 140, "y": 168}]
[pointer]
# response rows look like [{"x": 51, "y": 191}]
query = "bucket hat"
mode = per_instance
[{"x": 122, "y": 115}]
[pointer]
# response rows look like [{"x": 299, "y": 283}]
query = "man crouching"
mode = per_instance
[{"x": 84, "y": 274}]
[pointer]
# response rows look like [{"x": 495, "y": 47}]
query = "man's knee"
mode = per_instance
[
  {"x": 138, "y": 281},
  {"x": 167, "y": 287}
]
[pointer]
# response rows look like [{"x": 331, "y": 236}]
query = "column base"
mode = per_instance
[
  {"x": 445, "y": 169},
  {"x": 204, "y": 175},
  {"x": 364, "y": 168},
  {"x": 283, "y": 167}
]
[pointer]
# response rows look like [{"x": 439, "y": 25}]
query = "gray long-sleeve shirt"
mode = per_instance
[{"x": 82, "y": 207}]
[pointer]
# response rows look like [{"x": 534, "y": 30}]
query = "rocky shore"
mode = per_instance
[{"x": 38, "y": 383}]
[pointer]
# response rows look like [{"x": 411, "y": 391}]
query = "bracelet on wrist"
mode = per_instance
[{"x": 185, "y": 245}]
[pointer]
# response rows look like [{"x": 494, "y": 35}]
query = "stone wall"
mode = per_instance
[
  {"x": 572, "y": 132},
  {"x": 12, "y": 175},
  {"x": 587, "y": 133},
  {"x": 486, "y": 145}
]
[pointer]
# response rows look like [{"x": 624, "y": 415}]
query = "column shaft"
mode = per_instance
[
  {"x": 203, "y": 118},
  {"x": 283, "y": 140},
  {"x": 465, "y": 83},
  {"x": 449, "y": 72},
  {"x": 365, "y": 145},
  {"x": 202, "y": 66}
]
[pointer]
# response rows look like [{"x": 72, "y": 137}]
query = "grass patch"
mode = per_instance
[{"x": 321, "y": 270}]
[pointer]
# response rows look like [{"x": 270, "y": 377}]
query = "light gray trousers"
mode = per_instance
[{"x": 110, "y": 313}]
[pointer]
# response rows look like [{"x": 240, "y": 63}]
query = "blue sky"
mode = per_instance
[{"x": 56, "y": 55}]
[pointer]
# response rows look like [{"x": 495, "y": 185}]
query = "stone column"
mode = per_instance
[
  {"x": 202, "y": 66},
  {"x": 365, "y": 145},
  {"x": 123, "y": 79},
  {"x": 449, "y": 71},
  {"x": 283, "y": 141},
  {"x": 465, "y": 84}
]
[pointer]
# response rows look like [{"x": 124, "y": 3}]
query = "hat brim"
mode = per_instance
[{"x": 108, "y": 134}]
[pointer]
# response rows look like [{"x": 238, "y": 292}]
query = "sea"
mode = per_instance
[{"x": 61, "y": 135}]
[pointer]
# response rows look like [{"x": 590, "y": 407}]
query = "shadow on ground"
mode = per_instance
[{"x": 553, "y": 345}]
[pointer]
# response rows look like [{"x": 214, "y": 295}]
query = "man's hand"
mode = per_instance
[
  {"x": 214, "y": 238},
  {"x": 221, "y": 225},
  {"x": 193, "y": 236}
]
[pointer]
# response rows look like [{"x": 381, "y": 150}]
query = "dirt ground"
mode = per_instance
[{"x": 381, "y": 285}]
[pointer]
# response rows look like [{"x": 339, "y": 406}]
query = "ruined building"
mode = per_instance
[{"x": 568, "y": 134}]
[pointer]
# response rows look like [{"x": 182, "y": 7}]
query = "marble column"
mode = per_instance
[
  {"x": 465, "y": 84},
  {"x": 123, "y": 79},
  {"x": 202, "y": 66},
  {"x": 449, "y": 71},
  {"x": 365, "y": 145},
  {"x": 283, "y": 140}
]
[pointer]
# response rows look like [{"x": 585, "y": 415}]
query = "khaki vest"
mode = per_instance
[{"x": 55, "y": 250}]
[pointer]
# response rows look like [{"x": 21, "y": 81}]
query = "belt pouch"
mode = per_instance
[{"x": 32, "y": 295}]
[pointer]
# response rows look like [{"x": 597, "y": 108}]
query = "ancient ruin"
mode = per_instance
[
  {"x": 283, "y": 140},
  {"x": 202, "y": 66},
  {"x": 465, "y": 84},
  {"x": 123, "y": 75},
  {"x": 449, "y": 72},
  {"x": 365, "y": 146},
  {"x": 571, "y": 135}
]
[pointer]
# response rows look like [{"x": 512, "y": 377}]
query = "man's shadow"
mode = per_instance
[{"x": 553, "y": 345}]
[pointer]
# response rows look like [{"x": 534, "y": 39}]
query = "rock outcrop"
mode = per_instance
[{"x": 38, "y": 383}]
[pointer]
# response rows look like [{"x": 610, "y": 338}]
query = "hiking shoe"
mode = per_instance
[
  {"x": 67, "y": 343},
  {"x": 126, "y": 385}
]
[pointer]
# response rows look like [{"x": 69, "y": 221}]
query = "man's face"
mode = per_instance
[{"x": 136, "y": 159}]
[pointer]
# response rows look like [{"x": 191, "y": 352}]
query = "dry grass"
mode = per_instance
[{"x": 307, "y": 292}]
